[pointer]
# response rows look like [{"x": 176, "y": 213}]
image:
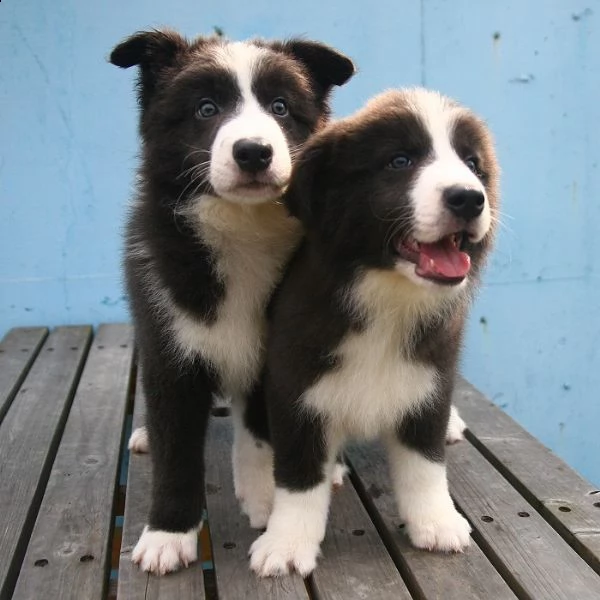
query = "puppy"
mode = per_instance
[
  {"x": 221, "y": 123},
  {"x": 399, "y": 203}
]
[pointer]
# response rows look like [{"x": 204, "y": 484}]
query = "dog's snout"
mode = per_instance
[
  {"x": 252, "y": 156},
  {"x": 464, "y": 203}
]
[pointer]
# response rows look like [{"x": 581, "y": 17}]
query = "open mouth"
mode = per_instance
[{"x": 443, "y": 261}]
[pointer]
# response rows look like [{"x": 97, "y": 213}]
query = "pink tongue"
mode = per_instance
[{"x": 442, "y": 260}]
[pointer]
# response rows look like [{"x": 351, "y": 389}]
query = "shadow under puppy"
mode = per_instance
[
  {"x": 399, "y": 204},
  {"x": 221, "y": 123}
]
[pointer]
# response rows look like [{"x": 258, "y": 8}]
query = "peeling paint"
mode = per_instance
[
  {"x": 583, "y": 14},
  {"x": 524, "y": 78}
]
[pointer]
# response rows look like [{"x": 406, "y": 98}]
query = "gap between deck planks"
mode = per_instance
[
  {"x": 465, "y": 576},
  {"x": 72, "y": 544},
  {"x": 18, "y": 350},
  {"x": 354, "y": 564},
  {"x": 569, "y": 502},
  {"x": 29, "y": 437},
  {"x": 490, "y": 477}
]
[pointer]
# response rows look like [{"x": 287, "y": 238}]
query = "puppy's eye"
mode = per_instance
[
  {"x": 206, "y": 109},
  {"x": 279, "y": 107},
  {"x": 472, "y": 163},
  {"x": 400, "y": 161}
]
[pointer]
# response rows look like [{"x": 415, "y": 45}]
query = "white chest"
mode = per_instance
[
  {"x": 374, "y": 387},
  {"x": 251, "y": 245}
]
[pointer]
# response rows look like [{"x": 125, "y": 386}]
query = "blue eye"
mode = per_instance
[
  {"x": 400, "y": 161},
  {"x": 206, "y": 109},
  {"x": 279, "y": 107},
  {"x": 472, "y": 164}
]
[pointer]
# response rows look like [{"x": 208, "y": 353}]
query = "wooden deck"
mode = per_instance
[{"x": 73, "y": 502}]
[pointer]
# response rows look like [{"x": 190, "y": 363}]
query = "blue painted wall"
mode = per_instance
[{"x": 532, "y": 69}]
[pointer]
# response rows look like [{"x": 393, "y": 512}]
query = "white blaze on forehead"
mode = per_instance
[
  {"x": 445, "y": 168},
  {"x": 248, "y": 120},
  {"x": 242, "y": 59}
]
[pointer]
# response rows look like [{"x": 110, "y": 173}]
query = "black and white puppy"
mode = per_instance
[
  {"x": 206, "y": 241},
  {"x": 399, "y": 203}
]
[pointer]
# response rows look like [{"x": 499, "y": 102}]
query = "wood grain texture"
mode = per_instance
[
  {"x": 569, "y": 502},
  {"x": 530, "y": 554},
  {"x": 429, "y": 575},
  {"x": 230, "y": 531},
  {"x": 355, "y": 563},
  {"x": 29, "y": 437},
  {"x": 134, "y": 584},
  {"x": 75, "y": 520},
  {"x": 18, "y": 349}
]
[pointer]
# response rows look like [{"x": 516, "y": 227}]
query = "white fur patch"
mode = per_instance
[
  {"x": 253, "y": 477},
  {"x": 445, "y": 170},
  {"x": 250, "y": 121},
  {"x": 456, "y": 427},
  {"x": 376, "y": 384},
  {"x": 138, "y": 441},
  {"x": 340, "y": 470},
  {"x": 424, "y": 502},
  {"x": 161, "y": 552},
  {"x": 294, "y": 534},
  {"x": 251, "y": 245}
]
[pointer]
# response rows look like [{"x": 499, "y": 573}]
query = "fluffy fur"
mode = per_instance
[
  {"x": 207, "y": 237},
  {"x": 399, "y": 203}
]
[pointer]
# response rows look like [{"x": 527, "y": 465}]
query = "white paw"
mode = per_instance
[
  {"x": 138, "y": 442},
  {"x": 254, "y": 489},
  {"x": 258, "y": 511},
  {"x": 456, "y": 427},
  {"x": 448, "y": 534},
  {"x": 253, "y": 479},
  {"x": 275, "y": 554},
  {"x": 161, "y": 552},
  {"x": 340, "y": 470}
]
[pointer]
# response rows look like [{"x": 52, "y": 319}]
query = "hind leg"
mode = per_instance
[
  {"x": 252, "y": 458},
  {"x": 178, "y": 405},
  {"x": 456, "y": 427}
]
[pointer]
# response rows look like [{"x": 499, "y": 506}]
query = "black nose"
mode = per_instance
[
  {"x": 464, "y": 203},
  {"x": 252, "y": 156}
]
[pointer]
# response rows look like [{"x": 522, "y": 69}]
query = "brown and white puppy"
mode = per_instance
[
  {"x": 221, "y": 123},
  {"x": 399, "y": 204}
]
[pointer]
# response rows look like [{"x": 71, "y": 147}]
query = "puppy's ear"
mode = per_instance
[
  {"x": 327, "y": 66},
  {"x": 152, "y": 51},
  {"x": 306, "y": 190}
]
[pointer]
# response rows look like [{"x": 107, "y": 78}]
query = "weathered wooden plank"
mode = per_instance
[
  {"x": 134, "y": 584},
  {"x": 230, "y": 532},
  {"x": 529, "y": 553},
  {"x": 429, "y": 575},
  {"x": 355, "y": 562},
  {"x": 18, "y": 349},
  {"x": 569, "y": 502},
  {"x": 74, "y": 524},
  {"x": 29, "y": 437}
]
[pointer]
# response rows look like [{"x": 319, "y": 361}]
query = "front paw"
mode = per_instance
[
  {"x": 274, "y": 554},
  {"x": 445, "y": 533},
  {"x": 161, "y": 552}
]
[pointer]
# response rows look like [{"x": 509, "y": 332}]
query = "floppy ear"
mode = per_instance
[
  {"x": 304, "y": 193},
  {"x": 327, "y": 66},
  {"x": 152, "y": 51}
]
